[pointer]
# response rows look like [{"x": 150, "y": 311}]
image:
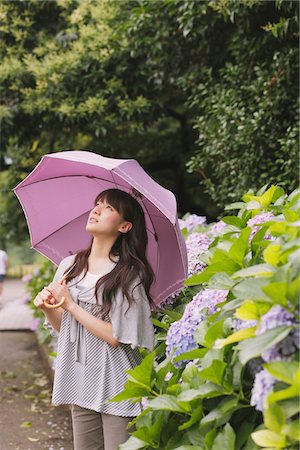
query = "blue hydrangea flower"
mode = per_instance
[
  {"x": 196, "y": 244},
  {"x": 180, "y": 337},
  {"x": 260, "y": 219},
  {"x": 192, "y": 221},
  {"x": 276, "y": 317},
  {"x": 218, "y": 228},
  {"x": 263, "y": 385}
]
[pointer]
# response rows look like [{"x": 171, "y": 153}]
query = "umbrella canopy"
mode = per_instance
[{"x": 58, "y": 195}]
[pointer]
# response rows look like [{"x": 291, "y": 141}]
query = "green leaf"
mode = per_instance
[
  {"x": 166, "y": 402},
  {"x": 228, "y": 266},
  {"x": 214, "y": 332},
  {"x": 240, "y": 335},
  {"x": 196, "y": 417},
  {"x": 26, "y": 424},
  {"x": 290, "y": 215},
  {"x": 272, "y": 254},
  {"x": 151, "y": 434},
  {"x": 143, "y": 373},
  {"x": 277, "y": 292},
  {"x": 206, "y": 390},
  {"x": 221, "y": 281},
  {"x": 284, "y": 394},
  {"x": 258, "y": 270},
  {"x": 274, "y": 418},
  {"x": 213, "y": 373},
  {"x": 132, "y": 391},
  {"x": 222, "y": 413},
  {"x": 251, "y": 310},
  {"x": 267, "y": 197},
  {"x": 293, "y": 429},
  {"x": 240, "y": 246},
  {"x": 233, "y": 220},
  {"x": 253, "y": 347},
  {"x": 225, "y": 439},
  {"x": 133, "y": 444},
  {"x": 160, "y": 324},
  {"x": 268, "y": 438},
  {"x": 251, "y": 289},
  {"x": 193, "y": 354},
  {"x": 285, "y": 371}
]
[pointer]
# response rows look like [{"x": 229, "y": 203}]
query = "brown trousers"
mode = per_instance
[{"x": 97, "y": 431}]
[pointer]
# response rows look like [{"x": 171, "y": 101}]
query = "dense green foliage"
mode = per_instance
[
  {"x": 209, "y": 403},
  {"x": 212, "y": 85}
]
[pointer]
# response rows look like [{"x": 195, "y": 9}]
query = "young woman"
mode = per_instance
[{"x": 103, "y": 320}]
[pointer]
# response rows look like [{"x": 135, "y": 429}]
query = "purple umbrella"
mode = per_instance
[{"x": 58, "y": 195}]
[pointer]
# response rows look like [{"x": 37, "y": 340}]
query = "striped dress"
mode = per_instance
[{"x": 89, "y": 371}]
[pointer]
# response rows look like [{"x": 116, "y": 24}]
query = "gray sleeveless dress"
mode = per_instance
[{"x": 89, "y": 371}]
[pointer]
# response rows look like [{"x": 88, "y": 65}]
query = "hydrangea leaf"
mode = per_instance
[
  {"x": 240, "y": 335},
  {"x": 225, "y": 439},
  {"x": 222, "y": 413},
  {"x": 214, "y": 373},
  {"x": 268, "y": 438},
  {"x": 285, "y": 371},
  {"x": 251, "y": 310},
  {"x": 131, "y": 391},
  {"x": 253, "y": 347},
  {"x": 274, "y": 418},
  {"x": 206, "y": 390},
  {"x": 133, "y": 443},
  {"x": 293, "y": 429},
  {"x": 290, "y": 392},
  {"x": 142, "y": 374},
  {"x": 240, "y": 246},
  {"x": 276, "y": 291},
  {"x": 258, "y": 270},
  {"x": 196, "y": 416},
  {"x": 272, "y": 254},
  {"x": 169, "y": 403}
]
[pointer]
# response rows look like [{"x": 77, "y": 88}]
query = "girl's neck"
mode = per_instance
[{"x": 101, "y": 249}]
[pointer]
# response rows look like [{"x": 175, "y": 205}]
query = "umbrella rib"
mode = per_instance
[{"x": 60, "y": 228}]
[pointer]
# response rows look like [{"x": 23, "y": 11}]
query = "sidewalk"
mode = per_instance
[
  {"x": 28, "y": 420},
  {"x": 14, "y": 314}
]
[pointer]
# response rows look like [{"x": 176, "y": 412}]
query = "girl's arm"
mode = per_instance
[{"x": 98, "y": 327}]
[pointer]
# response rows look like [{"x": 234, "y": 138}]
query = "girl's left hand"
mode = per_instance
[{"x": 60, "y": 290}]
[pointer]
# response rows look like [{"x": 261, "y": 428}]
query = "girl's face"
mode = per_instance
[{"x": 106, "y": 220}]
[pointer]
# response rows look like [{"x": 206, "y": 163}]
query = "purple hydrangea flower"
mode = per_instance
[
  {"x": 170, "y": 300},
  {"x": 263, "y": 385},
  {"x": 35, "y": 324},
  {"x": 26, "y": 299},
  {"x": 278, "y": 316},
  {"x": 218, "y": 228},
  {"x": 196, "y": 243},
  {"x": 27, "y": 278},
  {"x": 260, "y": 219},
  {"x": 239, "y": 324},
  {"x": 192, "y": 221},
  {"x": 180, "y": 337}
]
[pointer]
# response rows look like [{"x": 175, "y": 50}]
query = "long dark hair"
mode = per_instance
[{"x": 130, "y": 248}]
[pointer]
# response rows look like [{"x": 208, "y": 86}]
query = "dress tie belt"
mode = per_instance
[{"x": 77, "y": 332}]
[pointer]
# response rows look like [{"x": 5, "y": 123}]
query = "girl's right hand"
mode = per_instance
[{"x": 43, "y": 296}]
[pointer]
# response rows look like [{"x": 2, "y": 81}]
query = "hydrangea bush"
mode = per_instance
[{"x": 225, "y": 371}]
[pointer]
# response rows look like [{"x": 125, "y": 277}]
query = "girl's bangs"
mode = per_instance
[{"x": 112, "y": 197}]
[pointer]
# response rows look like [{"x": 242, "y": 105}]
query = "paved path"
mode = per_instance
[
  {"x": 14, "y": 314},
  {"x": 28, "y": 421}
]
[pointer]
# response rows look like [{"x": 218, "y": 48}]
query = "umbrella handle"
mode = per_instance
[{"x": 56, "y": 305}]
